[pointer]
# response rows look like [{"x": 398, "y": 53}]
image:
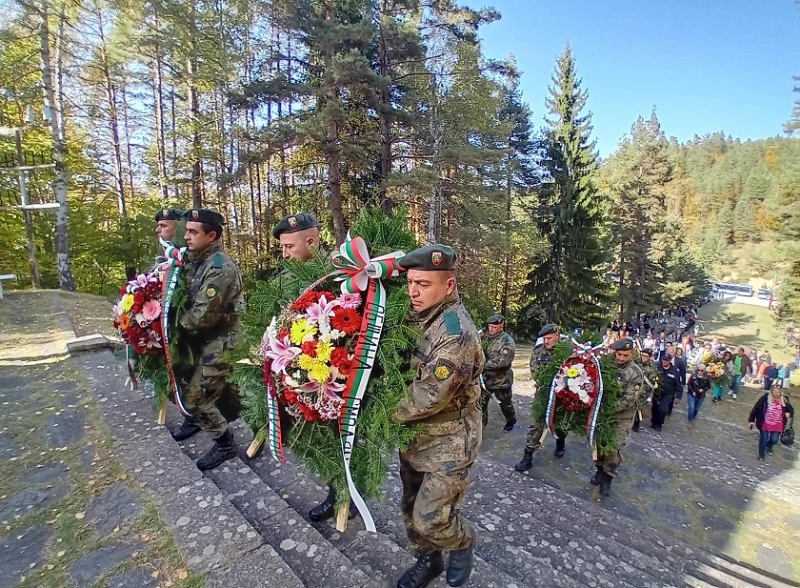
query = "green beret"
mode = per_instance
[
  {"x": 169, "y": 214},
  {"x": 496, "y": 319},
  {"x": 548, "y": 330},
  {"x": 622, "y": 345},
  {"x": 648, "y": 351},
  {"x": 204, "y": 215},
  {"x": 430, "y": 258},
  {"x": 293, "y": 223}
]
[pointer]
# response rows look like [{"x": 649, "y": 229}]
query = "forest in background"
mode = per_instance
[{"x": 259, "y": 108}]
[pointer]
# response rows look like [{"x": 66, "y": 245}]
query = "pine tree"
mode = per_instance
[
  {"x": 636, "y": 179},
  {"x": 569, "y": 285}
]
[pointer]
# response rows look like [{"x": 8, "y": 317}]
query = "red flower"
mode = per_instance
[
  {"x": 156, "y": 326},
  {"x": 283, "y": 333},
  {"x": 290, "y": 397},
  {"x": 309, "y": 348},
  {"x": 341, "y": 359},
  {"x": 308, "y": 413},
  {"x": 346, "y": 320},
  {"x": 310, "y": 298}
]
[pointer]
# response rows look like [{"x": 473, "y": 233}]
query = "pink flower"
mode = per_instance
[
  {"x": 280, "y": 354},
  {"x": 352, "y": 301},
  {"x": 154, "y": 341},
  {"x": 318, "y": 312},
  {"x": 151, "y": 310}
]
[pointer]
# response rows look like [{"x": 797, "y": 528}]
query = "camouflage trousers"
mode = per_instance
[
  {"x": 207, "y": 385},
  {"x": 431, "y": 507},
  {"x": 503, "y": 396},
  {"x": 535, "y": 432},
  {"x": 610, "y": 462}
]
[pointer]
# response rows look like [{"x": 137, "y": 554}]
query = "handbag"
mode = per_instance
[{"x": 787, "y": 437}]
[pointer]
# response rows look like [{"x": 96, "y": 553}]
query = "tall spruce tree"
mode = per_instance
[
  {"x": 569, "y": 286},
  {"x": 636, "y": 179}
]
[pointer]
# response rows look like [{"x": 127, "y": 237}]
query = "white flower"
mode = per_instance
[{"x": 272, "y": 329}]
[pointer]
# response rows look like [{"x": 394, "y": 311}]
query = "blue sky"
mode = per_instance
[{"x": 706, "y": 65}]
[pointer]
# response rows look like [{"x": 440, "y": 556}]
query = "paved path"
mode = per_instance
[{"x": 70, "y": 515}]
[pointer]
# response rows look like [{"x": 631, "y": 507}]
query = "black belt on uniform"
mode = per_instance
[{"x": 446, "y": 417}]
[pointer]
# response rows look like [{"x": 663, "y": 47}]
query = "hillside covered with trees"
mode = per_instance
[{"x": 261, "y": 108}]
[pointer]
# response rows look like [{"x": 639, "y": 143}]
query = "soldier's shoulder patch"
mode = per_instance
[
  {"x": 212, "y": 291},
  {"x": 443, "y": 369},
  {"x": 219, "y": 261},
  {"x": 452, "y": 323}
]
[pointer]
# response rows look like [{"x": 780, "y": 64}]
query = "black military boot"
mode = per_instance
[
  {"x": 460, "y": 566},
  {"x": 559, "y": 446},
  {"x": 510, "y": 425},
  {"x": 526, "y": 463},
  {"x": 326, "y": 509},
  {"x": 186, "y": 430},
  {"x": 605, "y": 486},
  {"x": 485, "y": 416},
  {"x": 597, "y": 479},
  {"x": 224, "y": 449},
  {"x": 427, "y": 568}
]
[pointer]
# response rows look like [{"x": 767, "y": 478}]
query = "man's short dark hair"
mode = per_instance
[{"x": 209, "y": 228}]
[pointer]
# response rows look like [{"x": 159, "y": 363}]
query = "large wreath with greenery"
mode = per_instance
[
  {"x": 577, "y": 393},
  {"x": 316, "y": 442}
]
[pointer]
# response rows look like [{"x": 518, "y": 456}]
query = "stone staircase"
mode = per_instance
[
  {"x": 556, "y": 539},
  {"x": 245, "y": 524}
]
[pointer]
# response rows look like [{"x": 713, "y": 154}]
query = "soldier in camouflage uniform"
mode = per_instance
[
  {"x": 631, "y": 380},
  {"x": 541, "y": 355},
  {"x": 435, "y": 469},
  {"x": 298, "y": 235},
  {"x": 651, "y": 381},
  {"x": 498, "y": 377},
  {"x": 211, "y": 324}
]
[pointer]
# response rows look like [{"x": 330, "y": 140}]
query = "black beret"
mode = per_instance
[
  {"x": 648, "y": 351},
  {"x": 293, "y": 223},
  {"x": 548, "y": 330},
  {"x": 622, "y": 345},
  {"x": 496, "y": 319},
  {"x": 169, "y": 214},
  {"x": 204, "y": 215},
  {"x": 430, "y": 258}
]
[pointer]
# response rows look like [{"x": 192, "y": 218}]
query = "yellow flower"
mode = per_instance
[
  {"x": 302, "y": 329},
  {"x": 572, "y": 372},
  {"x": 324, "y": 351},
  {"x": 315, "y": 368},
  {"x": 127, "y": 302}
]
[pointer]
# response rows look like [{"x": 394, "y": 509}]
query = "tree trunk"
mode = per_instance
[
  {"x": 158, "y": 106},
  {"x": 331, "y": 139},
  {"x": 113, "y": 119},
  {"x": 63, "y": 266},
  {"x": 128, "y": 139},
  {"x": 197, "y": 143},
  {"x": 384, "y": 119},
  {"x": 507, "y": 264}
]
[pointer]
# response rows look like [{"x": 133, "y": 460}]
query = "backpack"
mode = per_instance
[{"x": 787, "y": 437}]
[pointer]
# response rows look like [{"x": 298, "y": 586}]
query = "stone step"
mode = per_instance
[
  {"x": 673, "y": 553},
  {"x": 382, "y": 553},
  {"x": 215, "y": 538},
  {"x": 312, "y": 557}
]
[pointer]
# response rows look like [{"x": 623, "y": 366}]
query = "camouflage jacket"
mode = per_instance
[
  {"x": 539, "y": 356},
  {"x": 499, "y": 351},
  {"x": 215, "y": 294},
  {"x": 446, "y": 364},
  {"x": 653, "y": 375},
  {"x": 631, "y": 380}
]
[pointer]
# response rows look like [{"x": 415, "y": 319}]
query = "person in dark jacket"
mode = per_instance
[
  {"x": 699, "y": 384},
  {"x": 770, "y": 415},
  {"x": 679, "y": 361},
  {"x": 670, "y": 386},
  {"x": 770, "y": 373}
]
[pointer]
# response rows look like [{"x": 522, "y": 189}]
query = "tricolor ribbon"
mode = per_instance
[
  {"x": 358, "y": 272},
  {"x": 171, "y": 268},
  {"x": 134, "y": 381},
  {"x": 581, "y": 350}
]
